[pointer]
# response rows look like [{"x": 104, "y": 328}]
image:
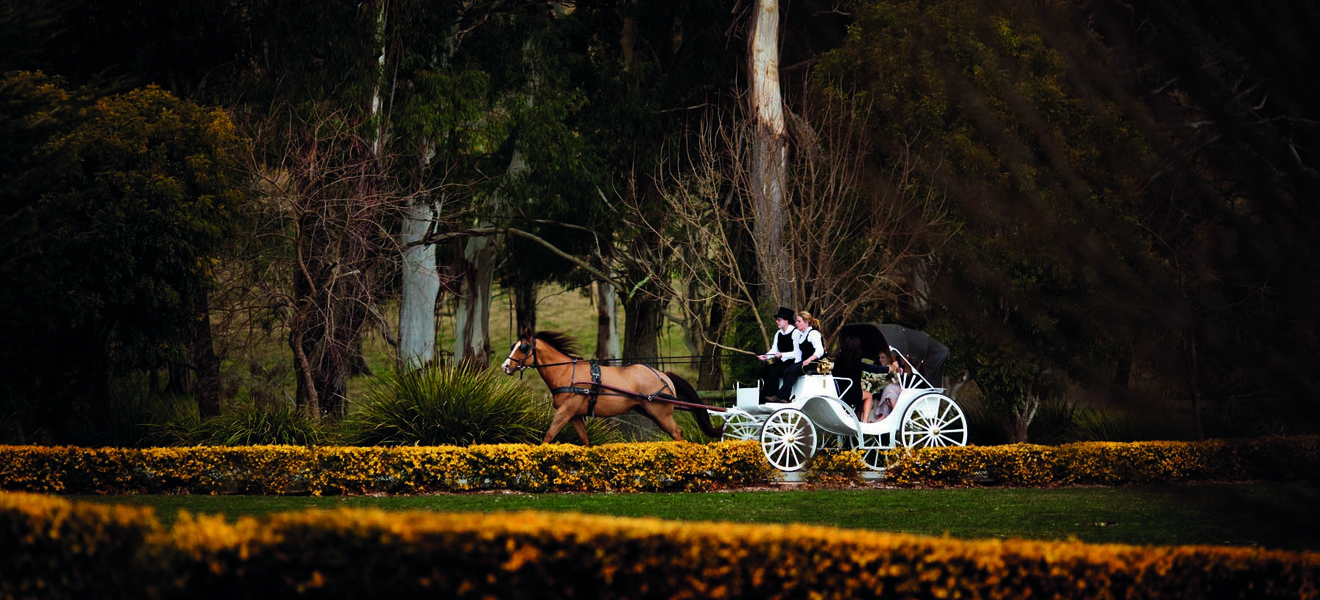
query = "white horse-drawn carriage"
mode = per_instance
[{"x": 816, "y": 417}]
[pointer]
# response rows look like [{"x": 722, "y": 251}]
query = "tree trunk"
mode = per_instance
[
  {"x": 179, "y": 379},
  {"x": 311, "y": 309},
  {"x": 641, "y": 345},
  {"x": 207, "y": 387},
  {"x": 1193, "y": 381},
  {"x": 421, "y": 289},
  {"x": 1020, "y": 421},
  {"x": 769, "y": 156},
  {"x": 476, "y": 264},
  {"x": 332, "y": 293},
  {"x": 357, "y": 358},
  {"x": 710, "y": 371},
  {"x": 524, "y": 305},
  {"x": 476, "y": 277},
  {"x": 607, "y": 316},
  {"x": 641, "y": 338}
]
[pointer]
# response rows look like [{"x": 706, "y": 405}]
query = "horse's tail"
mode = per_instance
[{"x": 687, "y": 393}]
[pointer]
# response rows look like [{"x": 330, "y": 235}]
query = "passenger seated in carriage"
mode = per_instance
[
  {"x": 877, "y": 411},
  {"x": 849, "y": 364},
  {"x": 809, "y": 346}
]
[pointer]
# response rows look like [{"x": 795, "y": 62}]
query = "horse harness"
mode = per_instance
[{"x": 593, "y": 389}]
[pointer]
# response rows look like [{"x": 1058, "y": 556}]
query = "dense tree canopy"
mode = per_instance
[
  {"x": 114, "y": 211},
  {"x": 1230, "y": 203},
  {"x": 1110, "y": 227},
  {"x": 1040, "y": 167}
]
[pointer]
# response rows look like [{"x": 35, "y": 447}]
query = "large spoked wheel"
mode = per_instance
[
  {"x": 837, "y": 442},
  {"x": 933, "y": 420},
  {"x": 738, "y": 426},
  {"x": 788, "y": 439}
]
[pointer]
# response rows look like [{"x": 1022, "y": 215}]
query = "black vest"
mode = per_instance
[
  {"x": 784, "y": 341},
  {"x": 807, "y": 347}
]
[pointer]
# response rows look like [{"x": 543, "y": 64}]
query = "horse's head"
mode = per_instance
[{"x": 521, "y": 355}]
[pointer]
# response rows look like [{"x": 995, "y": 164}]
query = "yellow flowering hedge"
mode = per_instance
[
  {"x": 1112, "y": 463},
  {"x": 669, "y": 466},
  {"x": 58, "y": 549}
]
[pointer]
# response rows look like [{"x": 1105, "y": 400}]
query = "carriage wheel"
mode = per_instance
[
  {"x": 788, "y": 439},
  {"x": 883, "y": 460},
  {"x": 875, "y": 458},
  {"x": 933, "y": 420},
  {"x": 879, "y": 458},
  {"x": 740, "y": 427},
  {"x": 837, "y": 442}
]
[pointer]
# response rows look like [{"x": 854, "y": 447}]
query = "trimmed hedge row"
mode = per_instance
[
  {"x": 58, "y": 549},
  {"x": 1112, "y": 463},
  {"x": 668, "y": 466}
]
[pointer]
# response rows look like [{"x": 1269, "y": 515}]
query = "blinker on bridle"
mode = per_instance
[{"x": 529, "y": 353}]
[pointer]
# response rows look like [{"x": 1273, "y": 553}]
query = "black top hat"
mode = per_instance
[{"x": 785, "y": 313}]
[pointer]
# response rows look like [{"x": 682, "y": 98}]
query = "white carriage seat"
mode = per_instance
[
  {"x": 748, "y": 400},
  {"x": 746, "y": 397}
]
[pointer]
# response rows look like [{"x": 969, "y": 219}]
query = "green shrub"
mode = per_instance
[
  {"x": 251, "y": 424},
  {"x": 1055, "y": 421},
  {"x": 984, "y": 427},
  {"x": 1109, "y": 424},
  {"x": 436, "y": 406}
]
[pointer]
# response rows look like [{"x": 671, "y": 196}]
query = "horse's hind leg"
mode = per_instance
[
  {"x": 665, "y": 419},
  {"x": 581, "y": 426}
]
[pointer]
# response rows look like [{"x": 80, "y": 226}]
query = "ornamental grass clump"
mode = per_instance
[
  {"x": 460, "y": 407},
  {"x": 251, "y": 424}
]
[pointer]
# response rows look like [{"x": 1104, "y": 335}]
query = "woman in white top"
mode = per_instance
[{"x": 809, "y": 346}]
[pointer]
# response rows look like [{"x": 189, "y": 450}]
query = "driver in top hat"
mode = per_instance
[{"x": 782, "y": 353}]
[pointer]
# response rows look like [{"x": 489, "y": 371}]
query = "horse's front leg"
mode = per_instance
[{"x": 563, "y": 414}]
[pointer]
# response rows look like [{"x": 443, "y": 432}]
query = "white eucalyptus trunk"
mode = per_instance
[
  {"x": 769, "y": 156},
  {"x": 472, "y": 315},
  {"x": 421, "y": 288},
  {"x": 477, "y": 267},
  {"x": 607, "y": 320}
]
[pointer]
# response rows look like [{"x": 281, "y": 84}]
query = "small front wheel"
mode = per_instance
[
  {"x": 738, "y": 426},
  {"x": 788, "y": 439},
  {"x": 875, "y": 455}
]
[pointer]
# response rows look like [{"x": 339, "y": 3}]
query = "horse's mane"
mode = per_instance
[{"x": 559, "y": 341}]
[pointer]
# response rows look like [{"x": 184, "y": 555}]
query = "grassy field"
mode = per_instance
[{"x": 1270, "y": 515}]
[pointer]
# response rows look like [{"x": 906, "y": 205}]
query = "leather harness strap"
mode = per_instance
[
  {"x": 595, "y": 386},
  {"x": 592, "y": 393}
]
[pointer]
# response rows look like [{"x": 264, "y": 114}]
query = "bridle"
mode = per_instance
[
  {"x": 529, "y": 355},
  {"x": 528, "y": 361}
]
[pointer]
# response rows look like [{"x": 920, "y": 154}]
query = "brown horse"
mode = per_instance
[{"x": 582, "y": 388}]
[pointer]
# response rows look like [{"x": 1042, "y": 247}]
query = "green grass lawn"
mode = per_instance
[{"x": 1270, "y": 515}]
